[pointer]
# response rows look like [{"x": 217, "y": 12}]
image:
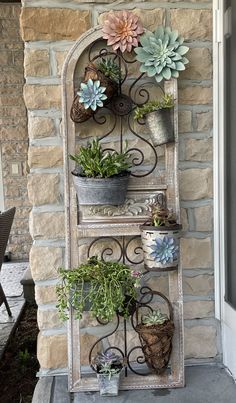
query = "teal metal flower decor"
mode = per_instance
[
  {"x": 165, "y": 250},
  {"x": 161, "y": 54},
  {"x": 92, "y": 94}
]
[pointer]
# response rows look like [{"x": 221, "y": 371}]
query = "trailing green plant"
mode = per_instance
[
  {"x": 161, "y": 54},
  {"x": 94, "y": 162},
  {"x": 167, "y": 101},
  {"x": 154, "y": 318},
  {"x": 24, "y": 357},
  {"x": 110, "y": 69},
  {"x": 109, "y": 285},
  {"x": 107, "y": 363}
]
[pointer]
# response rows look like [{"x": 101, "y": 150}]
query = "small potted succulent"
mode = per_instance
[
  {"x": 156, "y": 331},
  {"x": 108, "y": 367},
  {"x": 100, "y": 84},
  {"x": 159, "y": 118},
  {"x": 100, "y": 176},
  {"x": 160, "y": 238},
  {"x": 104, "y": 288}
]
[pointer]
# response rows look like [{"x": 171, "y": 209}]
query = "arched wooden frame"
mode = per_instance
[{"x": 76, "y": 381}]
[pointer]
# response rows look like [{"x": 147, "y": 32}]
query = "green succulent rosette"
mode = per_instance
[{"x": 161, "y": 54}]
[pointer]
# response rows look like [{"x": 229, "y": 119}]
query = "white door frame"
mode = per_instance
[
  {"x": 223, "y": 311},
  {"x": 1, "y": 184}
]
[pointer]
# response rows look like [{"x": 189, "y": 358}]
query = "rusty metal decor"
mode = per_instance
[{"x": 117, "y": 229}]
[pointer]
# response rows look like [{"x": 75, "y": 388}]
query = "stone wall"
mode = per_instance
[
  {"x": 49, "y": 31},
  {"x": 13, "y": 130}
]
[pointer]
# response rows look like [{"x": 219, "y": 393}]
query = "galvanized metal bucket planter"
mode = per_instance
[
  {"x": 160, "y": 247},
  {"x": 93, "y": 191},
  {"x": 108, "y": 385},
  {"x": 160, "y": 125}
]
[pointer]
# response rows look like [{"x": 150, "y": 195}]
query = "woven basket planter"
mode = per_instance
[
  {"x": 154, "y": 241},
  {"x": 78, "y": 113},
  {"x": 156, "y": 341}
]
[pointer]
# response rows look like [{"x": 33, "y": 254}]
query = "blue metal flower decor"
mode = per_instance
[
  {"x": 92, "y": 94},
  {"x": 164, "y": 249}
]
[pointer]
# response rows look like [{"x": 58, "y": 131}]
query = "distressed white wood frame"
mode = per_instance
[{"x": 77, "y": 380}]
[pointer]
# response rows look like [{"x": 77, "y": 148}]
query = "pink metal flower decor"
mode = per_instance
[{"x": 122, "y": 30}]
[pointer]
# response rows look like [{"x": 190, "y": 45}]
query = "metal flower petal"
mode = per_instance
[
  {"x": 91, "y": 94},
  {"x": 165, "y": 250},
  {"x": 161, "y": 54}
]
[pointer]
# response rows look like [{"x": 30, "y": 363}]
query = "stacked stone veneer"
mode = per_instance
[
  {"x": 48, "y": 34},
  {"x": 13, "y": 130}
]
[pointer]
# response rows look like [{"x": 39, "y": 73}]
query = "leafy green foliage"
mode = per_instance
[
  {"x": 154, "y": 318},
  {"x": 24, "y": 357},
  {"x": 109, "y": 284},
  {"x": 151, "y": 106},
  {"x": 96, "y": 163},
  {"x": 110, "y": 69}
]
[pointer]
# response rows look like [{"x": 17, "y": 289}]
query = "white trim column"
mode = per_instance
[{"x": 1, "y": 184}]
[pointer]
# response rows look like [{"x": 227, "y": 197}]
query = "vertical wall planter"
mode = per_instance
[
  {"x": 108, "y": 385},
  {"x": 160, "y": 247},
  {"x": 160, "y": 126}
]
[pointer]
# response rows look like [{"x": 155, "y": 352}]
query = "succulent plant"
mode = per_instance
[
  {"x": 165, "y": 250},
  {"x": 92, "y": 94},
  {"x": 154, "y": 318},
  {"x": 107, "y": 363},
  {"x": 161, "y": 54},
  {"x": 122, "y": 30},
  {"x": 110, "y": 69},
  {"x": 160, "y": 215},
  {"x": 151, "y": 106}
]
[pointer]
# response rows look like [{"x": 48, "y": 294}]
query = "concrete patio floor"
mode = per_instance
[
  {"x": 204, "y": 384},
  {"x": 10, "y": 275}
]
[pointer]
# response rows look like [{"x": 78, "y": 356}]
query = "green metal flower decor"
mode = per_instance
[
  {"x": 161, "y": 54},
  {"x": 165, "y": 250},
  {"x": 92, "y": 94}
]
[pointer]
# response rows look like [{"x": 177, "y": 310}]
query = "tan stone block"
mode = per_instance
[
  {"x": 159, "y": 283},
  {"x": 5, "y": 57},
  {"x": 53, "y": 23},
  {"x": 198, "y": 26},
  {"x": 199, "y": 149},
  {"x": 48, "y": 319},
  {"x": 86, "y": 342},
  {"x": 204, "y": 121},
  {"x": 44, "y": 189},
  {"x": 45, "y": 157},
  {"x": 60, "y": 58},
  {"x": 47, "y": 225},
  {"x": 45, "y": 261},
  {"x": 198, "y": 285},
  {"x": 42, "y": 96},
  {"x": 45, "y": 294},
  {"x": 200, "y": 342},
  {"x": 36, "y": 63},
  {"x": 200, "y": 65},
  {"x": 185, "y": 121},
  {"x": 196, "y": 253},
  {"x": 13, "y": 133},
  {"x": 198, "y": 309},
  {"x": 203, "y": 218},
  {"x": 184, "y": 219},
  {"x": 40, "y": 127},
  {"x": 52, "y": 351},
  {"x": 149, "y": 18},
  {"x": 87, "y": 320},
  {"x": 196, "y": 183},
  {"x": 11, "y": 76},
  {"x": 195, "y": 95},
  {"x": 6, "y": 11}
]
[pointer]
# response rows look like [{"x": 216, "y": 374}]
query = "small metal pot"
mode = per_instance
[
  {"x": 159, "y": 242},
  {"x": 160, "y": 124},
  {"x": 108, "y": 386},
  {"x": 94, "y": 191}
]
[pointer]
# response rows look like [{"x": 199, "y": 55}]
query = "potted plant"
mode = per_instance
[
  {"x": 108, "y": 367},
  {"x": 158, "y": 116},
  {"x": 104, "y": 288},
  {"x": 155, "y": 332},
  {"x": 99, "y": 85},
  {"x": 100, "y": 177},
  {"x": 160, "y": 238}
]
